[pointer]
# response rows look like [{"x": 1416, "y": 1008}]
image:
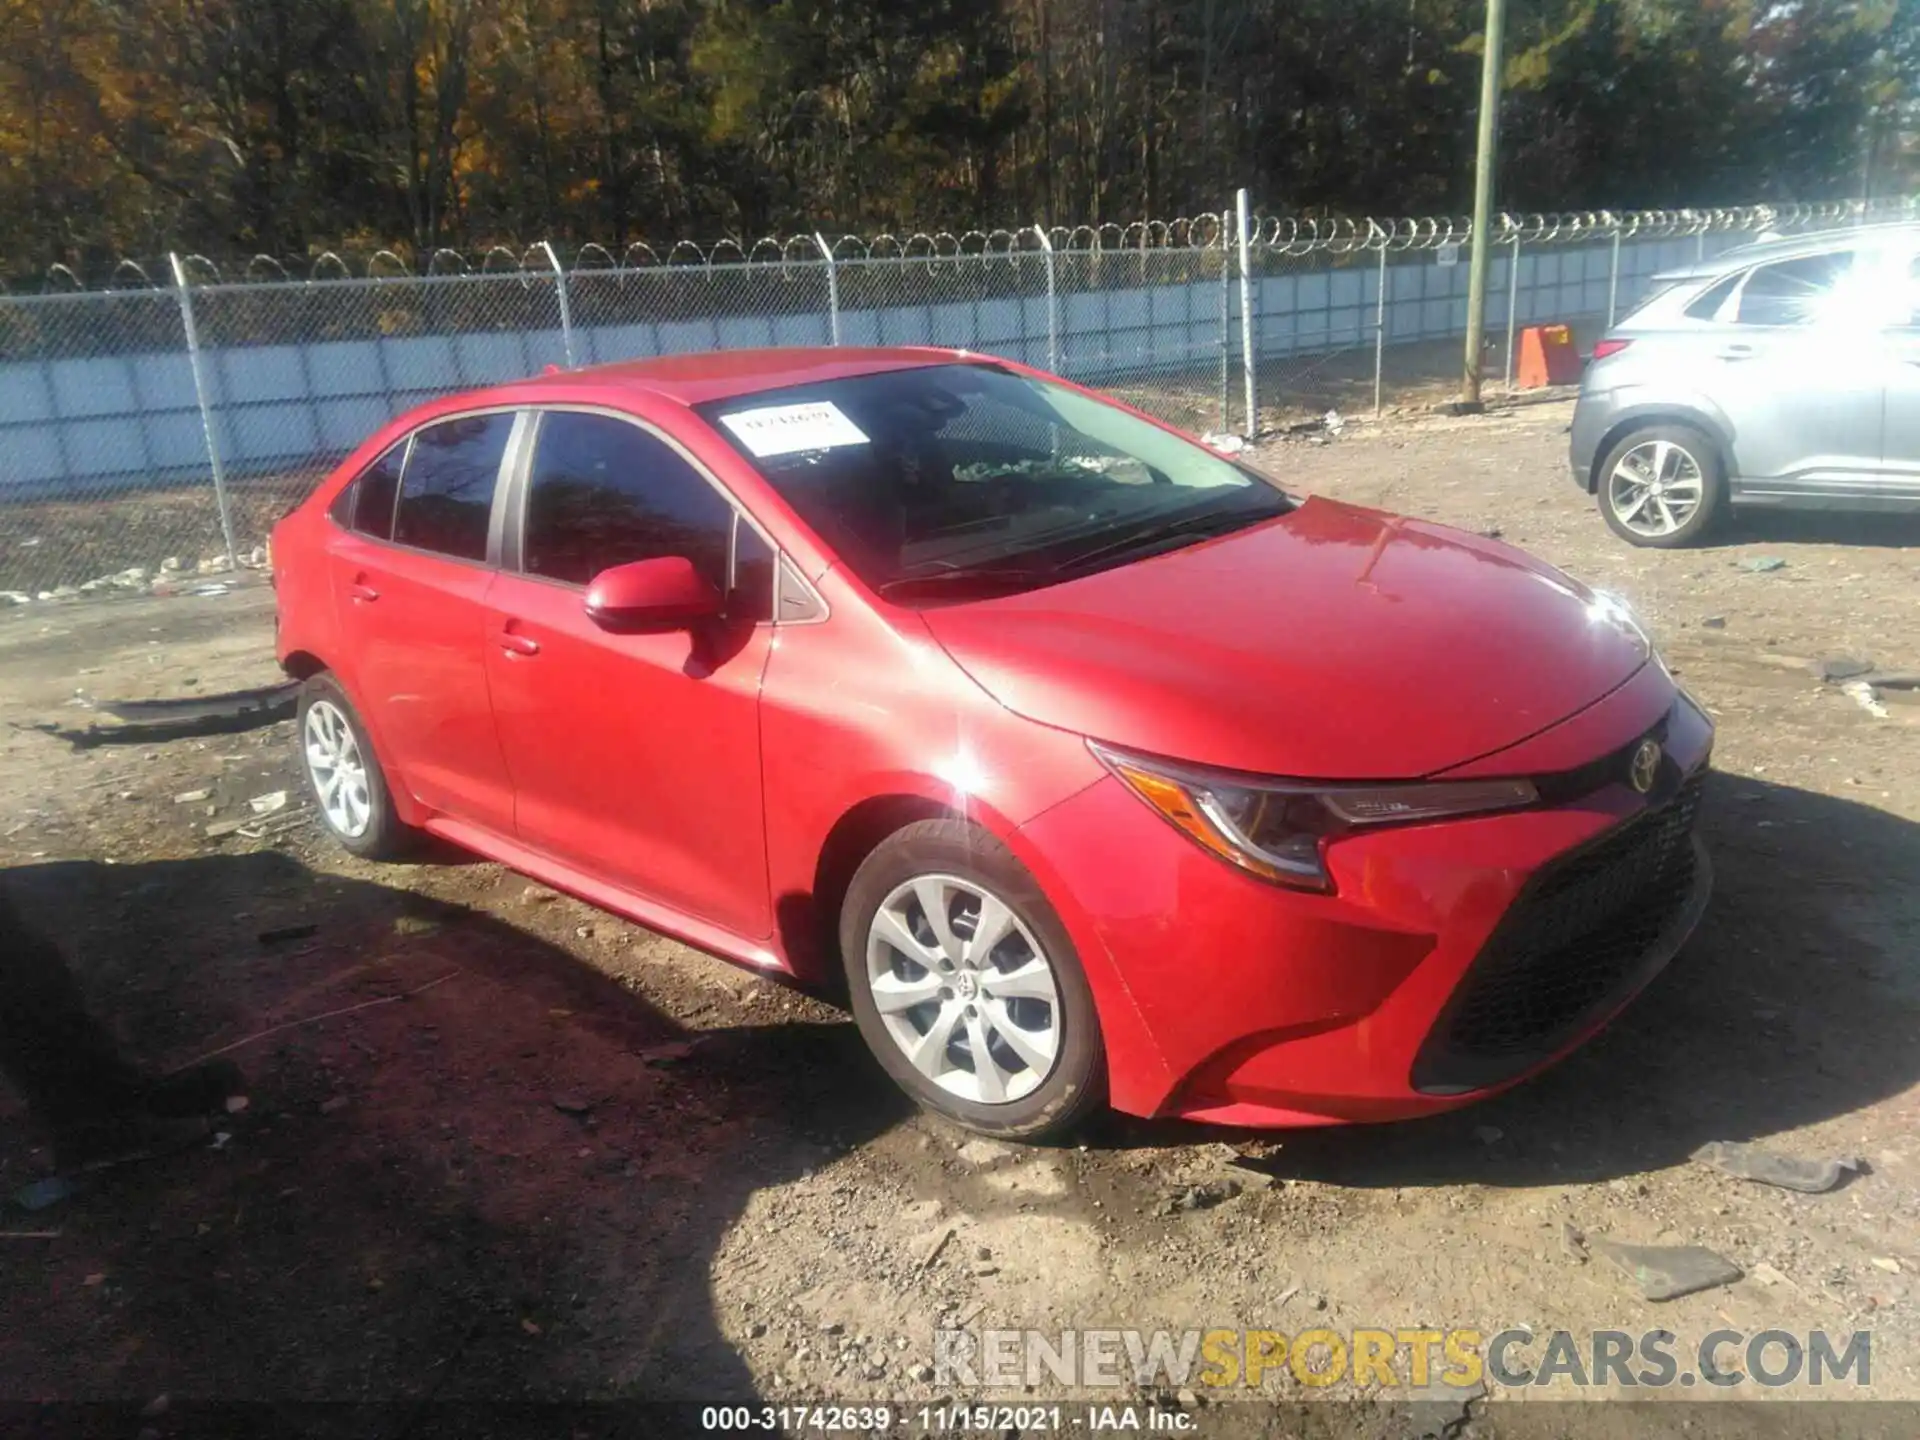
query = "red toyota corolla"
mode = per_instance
[{"x": 1106, "y": 770}]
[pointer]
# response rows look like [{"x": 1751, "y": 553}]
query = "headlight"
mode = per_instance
[{"x": 1276, "y": 829}]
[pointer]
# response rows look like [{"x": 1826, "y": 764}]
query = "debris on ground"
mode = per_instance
[
  {"x": 139, "y": 721},
  {"x": 1225, "y": 444},
  {"x": 1714, "y": 622},
  {"x": 1763, "y": 564},
  {"x": 43, "y": 1194},
  {"x": 220, "y": 829},
  {"x": 1573, "y": 1242},
  {"x": 1898, "y": 680},
  {"x": 192, "y": 797},
  {"x": 1768, "y": 1275},
  {"x": 280, "y": 934},
  {"x": 1666, "y": 1272},
  {"x": 271, "y": 803},
  {"x": 1862, "y": 694},
  {"x": 931, "y": 1247},
  {"x": 1750, "y": 1162},
  {"x": 333, "y": 1104},
  {"x": 1836, "y": 668},
  {"x": 1335, "y": 422},
  {"x": 1489, "y": 1134},
  {"x": 1204, "y": 1196},
  {"x": 671, "y": 1053},
  {"x": 572, "y": 1104},
  {"x": 1886, "y": 1263}
]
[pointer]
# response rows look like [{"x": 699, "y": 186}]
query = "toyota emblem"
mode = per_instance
[{"x": 1645, "y": 766}]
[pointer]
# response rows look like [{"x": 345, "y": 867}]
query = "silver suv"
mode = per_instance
[{"x": 1783, "y": 373}]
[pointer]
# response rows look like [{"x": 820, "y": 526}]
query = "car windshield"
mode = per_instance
[{"x": 947, "y": 481}]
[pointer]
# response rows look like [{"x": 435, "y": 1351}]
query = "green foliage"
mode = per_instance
[{"x": 287, "y": 126}]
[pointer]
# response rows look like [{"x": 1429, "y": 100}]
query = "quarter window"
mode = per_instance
[
  {"x": 446, "y": 496},
  {"x": 368, "y": 501},
  {"x": 605, "y": 492}
]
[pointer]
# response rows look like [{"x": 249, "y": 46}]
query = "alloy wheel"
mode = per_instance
[
  {"x": 1656, "y": 488},
  {"x": 338, "y": 769},
  {"x": 964, "y": 989}
]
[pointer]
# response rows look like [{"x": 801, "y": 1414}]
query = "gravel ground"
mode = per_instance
[{"x": 554, "y": 1156}]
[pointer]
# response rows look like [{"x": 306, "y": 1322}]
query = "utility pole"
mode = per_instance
[{"x": 1491, "y": 66}]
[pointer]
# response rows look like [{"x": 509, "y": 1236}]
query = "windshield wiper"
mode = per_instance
[
  {"x": 1193, "y": 527},
  {"x": 971, "y": 575}
]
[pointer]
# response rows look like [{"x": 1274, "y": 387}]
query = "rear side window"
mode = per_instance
[
  {"x": 446, "y": 496},
  {"x": 604, "y": 492},
  {"x": 367, "y": 504},
  {"x": 1793, "y": 292}
]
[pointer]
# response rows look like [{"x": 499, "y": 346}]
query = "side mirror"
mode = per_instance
[{"x": 666, "y": 593}]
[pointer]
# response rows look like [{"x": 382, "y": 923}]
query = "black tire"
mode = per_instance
[
  {"x": 1704, "y": 455},
  {"x": 386, "y": 836},
  {"x": 1076, "y": 1084}
]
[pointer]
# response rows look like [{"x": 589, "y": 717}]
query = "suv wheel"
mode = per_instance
[
  {"x": 1661, "y": 486},
  {"x": 348, "y": 785},
  {"x": 966, "y": 987}
]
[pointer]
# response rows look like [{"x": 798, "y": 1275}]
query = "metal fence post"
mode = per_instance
[
  {"x": 185, "y": 294},
  {"x": 833, "y": 289},
  {"x": 566, "y": 312},
  {"x": 1243, "y": 223},
  {"x": 1053, "y": 302},
  {"x": 1513, "y": 304},
  {"x": 1380, "y": 334},
  {"x": 1613, "y": 279},
  {"x": 1226, "y": 324}
]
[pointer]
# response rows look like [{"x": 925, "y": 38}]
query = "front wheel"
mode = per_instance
[
  {"x": 1662, "y": 487},
  {"x": 965, "y": 984}
]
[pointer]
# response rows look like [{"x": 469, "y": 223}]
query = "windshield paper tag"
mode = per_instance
[{"x": 788, "y": 429}]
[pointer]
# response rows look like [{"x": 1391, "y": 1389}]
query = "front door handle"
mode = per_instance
[
  {"x": 517, "y": 644},
  {"x": 1737, "y": 352},
  {"x": 362, "y": 593}
]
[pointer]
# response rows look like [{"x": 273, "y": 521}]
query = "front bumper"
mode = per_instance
[{"x": 1453, "y": 960}]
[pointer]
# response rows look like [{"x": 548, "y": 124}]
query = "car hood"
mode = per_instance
[{"x": 1334, "y": 642}]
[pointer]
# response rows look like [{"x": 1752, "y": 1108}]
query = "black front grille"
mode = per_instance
[{"x": 1577, "y": 936}]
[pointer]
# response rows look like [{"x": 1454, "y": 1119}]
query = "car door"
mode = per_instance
[
  {"x": 635, "y": 757},
  {"x": 410, "y": 578},
  {"x": 1900, "y": 450},
  {"x": 1797, "y": 381}
]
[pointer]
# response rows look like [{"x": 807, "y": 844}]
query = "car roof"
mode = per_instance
[
  {"x": 694, "y": 379},
  {"x": 1791, "y": 247}
]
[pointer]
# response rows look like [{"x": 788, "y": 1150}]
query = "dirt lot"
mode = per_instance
[{"x": 571, "y": 1160}]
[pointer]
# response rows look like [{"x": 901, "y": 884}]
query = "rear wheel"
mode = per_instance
[
  {"x": 344, "y": 774},
  {"x": 966, "y": 987},
  {"x": 1662, "y": 487}
]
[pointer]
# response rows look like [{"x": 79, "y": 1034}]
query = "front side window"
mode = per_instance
[
  {"x": 446, "y": 495},
  {"x": 604, "y": 492},
  {"x": 936, "y": 482}
]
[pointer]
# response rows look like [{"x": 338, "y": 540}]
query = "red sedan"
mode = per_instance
[{"x": 1102, "y": 769}]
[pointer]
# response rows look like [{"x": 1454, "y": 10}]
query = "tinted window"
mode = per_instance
[
  {"x": 605, "y": 492},
  {"x": 368, "y": 501},
  {"x": 1794, "y": 292},
  {"x": 446, "y": 499}
]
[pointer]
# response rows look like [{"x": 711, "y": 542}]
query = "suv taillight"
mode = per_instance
[{"x": 1603, "y": 348}]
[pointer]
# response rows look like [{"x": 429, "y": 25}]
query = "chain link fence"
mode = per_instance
[{"x": 155, "y": 429}]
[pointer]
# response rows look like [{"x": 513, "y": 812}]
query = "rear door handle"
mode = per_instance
[
  {"x": 517, "y": 644},
  {"x": 363, "y": 592},
  {"x": 1737, "y": 352}
]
